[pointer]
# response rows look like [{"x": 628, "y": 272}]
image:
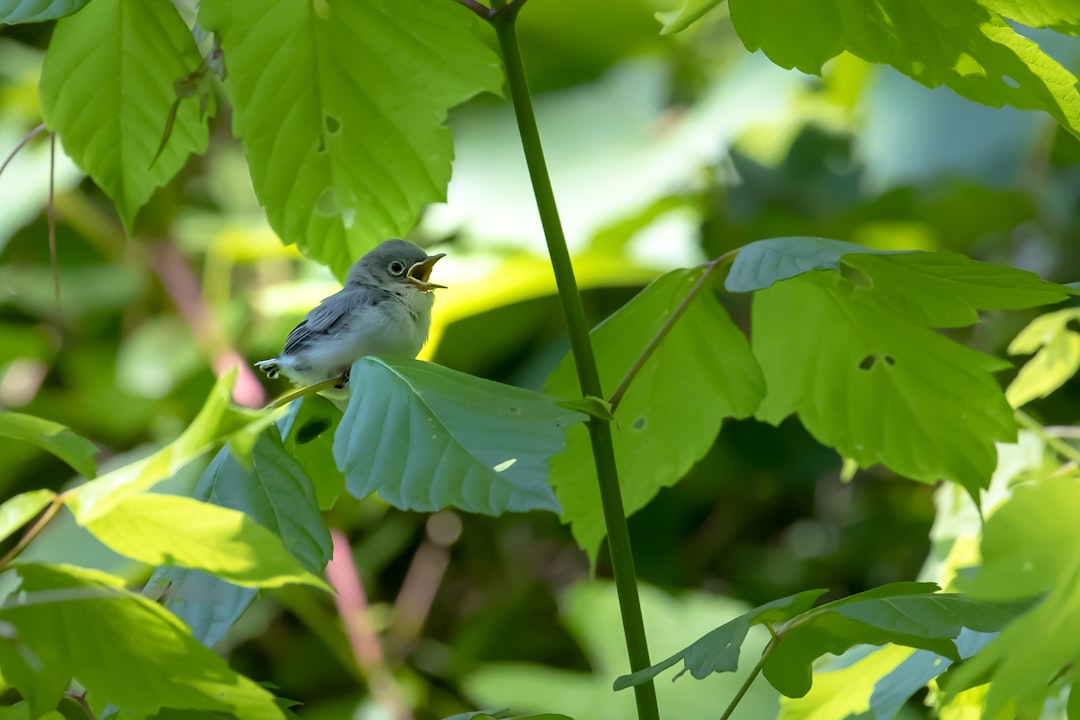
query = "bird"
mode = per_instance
[{"x": 383, "y": 310}]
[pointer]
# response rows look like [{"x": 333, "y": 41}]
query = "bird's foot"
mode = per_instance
[{"x": 344, "y": 381}]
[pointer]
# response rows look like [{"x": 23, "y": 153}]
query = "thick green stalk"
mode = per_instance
[{"x": 622, "y": 559}]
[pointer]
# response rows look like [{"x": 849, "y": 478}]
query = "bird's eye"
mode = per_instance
[{"x": 396, "y": 267}]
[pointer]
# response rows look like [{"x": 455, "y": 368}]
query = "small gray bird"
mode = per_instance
[{"x": 384, "y": 310}]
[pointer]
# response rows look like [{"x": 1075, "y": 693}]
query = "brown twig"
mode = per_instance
[
  {"x": 352, "y": 606},
  {"x": 22, "y": 143},
  {"x": 50, "y": 511},
  {"x": 617, "y": 396}
]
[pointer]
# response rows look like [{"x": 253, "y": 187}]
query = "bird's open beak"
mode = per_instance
[{"x": 420, "y": 272}]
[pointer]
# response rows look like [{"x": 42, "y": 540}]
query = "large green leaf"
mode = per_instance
[
  {"x": 40, "y": 685},
  {"x": 172, "y": 530},
  {"x": 122, "y": 648},
  {"x": 427, "y": 438},
  {"x": 18, "y": 511},
  {"x": 107, "y": 86},
  {"x": 701, "y": 373},
  {"x": 961, "y": 44},
  {"x": 762, "y": 263},
  {"x": 75, "y": 450},
  {"x": 308, "y": 430},
  {"x": 344, "y": 133},
  {"x": 1057, "y": 356},
  {"x": 876, "y": 387},
  {"x": 1060, "y": 15},
  {"x": 13, "y": 12}
]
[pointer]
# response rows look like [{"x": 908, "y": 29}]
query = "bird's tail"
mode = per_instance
[{"x": 270, "y": 367}]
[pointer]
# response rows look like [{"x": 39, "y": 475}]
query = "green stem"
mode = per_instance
[
  {"x": 1062, "y": 448},
  {"x": 50, "y": 511},
  {"x": 622, "y": 559},
  {"x": 749, "y": 680}
]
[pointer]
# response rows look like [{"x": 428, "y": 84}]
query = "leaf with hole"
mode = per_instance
[
  {"x": 876, "y": 387},
  {"x": 344, "y": 133},
  {"x": 107, "y": 88},
  {"x": 308, "y": 430},
  {"x": 701, "y": 373},
  {"x": 427, "y": 438},
  {"x": 152, "y": 660},
  {"x": 75, "y": 450}
]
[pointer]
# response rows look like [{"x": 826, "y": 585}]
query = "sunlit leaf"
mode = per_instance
[
  {"x": 126, "y": 651},
  {"x": 172, "y": 530},
  {"x": 13, "y": 12},
  {"x": 1060, "y": 15},
  {"x": 106, "y": 88},
  {"x": 75, "y": 450},
  {"x": 876, "y": 387},
  {"x": 961, "y": 44},
  {"x": 701, "y": 373},
  {"x": 847, "y": 691},
  {"x": 1057, "y": 356},
  {"x": 427, "y": 438},
  {"x": 19, "y": 510},
  {"x": 344, "y": 133},
  {"x": 762, "y": 263}
]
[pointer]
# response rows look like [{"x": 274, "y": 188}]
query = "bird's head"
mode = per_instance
[{"x": 395, "y": 263}]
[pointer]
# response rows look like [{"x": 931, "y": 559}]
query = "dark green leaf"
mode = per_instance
[
  {"x": 13, "y": 12},
  {"x": 701, "y": 373},
  {"x": 762, "y": 263},
  {"x": 40, "y": 685},
  {"x": 106, "y": 88},
  {"x": 344, "y": 133},
  {"x": 962, "y": 44},
  {"x": 876, "y": 387},
  {"x": 75, "y": 450},
  {"x": 308, "y": 429},
  {"x": 126, "y": 651},
  {"x": 592, "y": 406},
  {"x": 428, "y": 438},
  {"x": 20, "y": 509}
]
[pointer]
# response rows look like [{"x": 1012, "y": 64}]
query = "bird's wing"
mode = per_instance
[{"x": 327, "y": 318}]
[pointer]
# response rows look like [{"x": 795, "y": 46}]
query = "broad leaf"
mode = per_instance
[
  {"x": 126, "y": 651},
  {"x": 701, "y": 373},
  {"x": 40, "y": 685},
  {"x": 1057, "y": 356},
  {"x": 13, "y": 12},
  {"x": 75, "y": 450},
  {"x": 685, "y": 15},
  {"x": 961, "y": 44},
  {"x": 876, "y": 387},
  {"x": 762, "y": 263},
  {"x": 427, "y": 438},
  {"x": 179, "y": 531},
  {"x": 19, "y": 510},
  {"x": 107, "y": 89},
  {"x": 308, "y": 430},
  {"x": 718, "y": 651},
  {"x": 948, "y": 290},
  {"x": 277, "y": 495},
  {"x": 1060, "y": 15},
  {"x": 344, "y": 133}
]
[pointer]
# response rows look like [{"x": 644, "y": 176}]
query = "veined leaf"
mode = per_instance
[
  {"x": 14, "y": 12},
  {"x": 107, "y": 89},
  {"x": 179, "y": 531},
  {"x": 701, "y": 373},
  {"x": 685, "y": 15},
  {"x": 428, "y": 438},
  {"x": 1057, "y": 358},
  {"x": 762, "y": 263},
  {"x": 127, "y": 651},
  {"x": 75, "y": 450},
  {"x": 962, "y": 44},
  {"x": 876, "y": 387},
  {"x": 344, "y": 133},
  {"x": 19, "y": 510}
]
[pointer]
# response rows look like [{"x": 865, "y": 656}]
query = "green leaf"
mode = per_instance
[
  {"x": 719, "y": 650},
  {"x": 1057, "y": 359},
  {"x": 122, "y": 648},
  {"x": 428, "y": 438},
  {"x": 107, "y": 87},
  {"x": 961, "y": 44},
  {"x": 344, "y": 133},
  {"x": 40, "y": 685},
  {"x": 685, "y": 15},
  {"x": 907, "y": 613},
  {"x": 1060, "y": 15},
  {"x": 75, "y": 450},
  {"x": 19, "y": 510},
  {"x": 701, "y": 373},
  {"x": 848, "y": 691},
  {"x": 13, "y": 12},
  {"x": 590, "y": 405},
  {"x": 876, "y": 387},
  {"x": 762, "y": 263},
  {"x": 308, "y": 429},
  {"x": 216, "y": 420},
  {"x": 179, "y": 531},
  {"x": 948, "y": 290}
]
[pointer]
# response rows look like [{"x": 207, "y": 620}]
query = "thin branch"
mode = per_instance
[
  {"x": 617, "y": 396},
  {"x": 51, "y": 212},
  {"x": 22, "y": 143},
  {"x": 749, "y": 679},
  {"x": 308, "y": 390},
  {"x": 352, "y": 606},
  {"x": 511, "y": 8},
  {"x": 482, "y": 11},
  {"x": 1062, "y": 448},
  {"x": 35, "y": 530}
]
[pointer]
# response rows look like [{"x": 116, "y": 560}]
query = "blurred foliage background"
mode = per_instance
[{"x": 664, "y": 151}]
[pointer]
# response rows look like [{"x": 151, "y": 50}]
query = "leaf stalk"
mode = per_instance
[
  {"x": 749, "y": 678},
  {"x": 50, "y": 511}
]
